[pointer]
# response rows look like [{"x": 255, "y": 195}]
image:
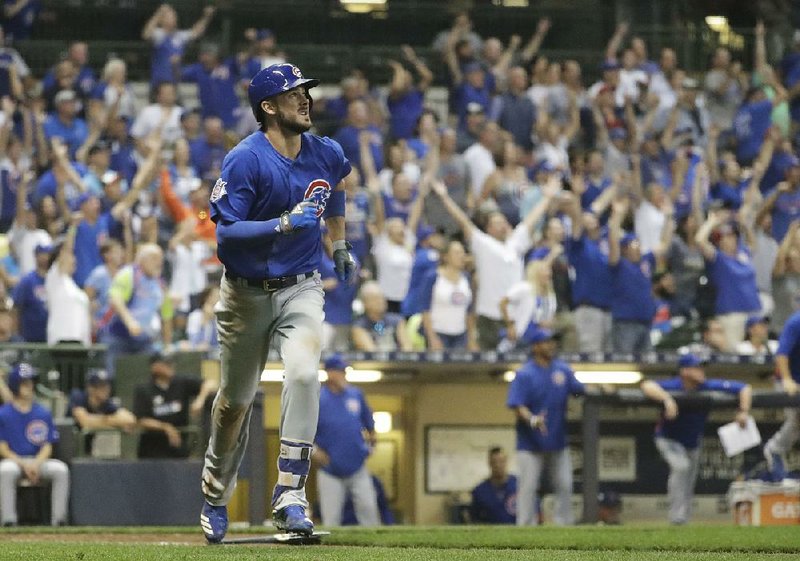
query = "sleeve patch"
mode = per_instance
[{"x": 219, "y": 190}]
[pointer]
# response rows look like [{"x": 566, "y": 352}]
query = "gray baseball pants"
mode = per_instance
[
  {"x": 333, "y": 493},
  {"x": 249, "y": 322},
  {"x": 559, "y": 468},
  {"x": 683, "y": 467},
  {"x": 54, "y": 471},
  {"x": 783, "y": 440}
]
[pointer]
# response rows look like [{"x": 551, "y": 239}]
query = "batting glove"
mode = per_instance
[
  {"x": 303, "y": 215},
  {"x": 344, "y": 265}
]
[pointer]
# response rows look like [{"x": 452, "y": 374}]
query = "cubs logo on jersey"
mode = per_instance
[
  {"x": 318, "y": 192},
  {"x": 36, "y": 432},
  {"x": 559, "y": 378}
]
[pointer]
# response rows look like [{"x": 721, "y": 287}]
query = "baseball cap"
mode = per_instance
[
  {"x": 474, "y": 108},
  {"x": 161, "y": 357},
  {"x": 627, "y": 239},
  {"x": 110, "y": 177},
  {"x": 543, "y": 166},
  {"x": 97, "y": 376},
  {"x": 540, "y": 253},
  {"x": 618, "y": 133},
  {"x": 535, "y": 334},
  {"x": 336, "y": 362},
  {"x": 264, "y": 33},
  {"x": 752, "y": 320},
  {"x": 43, "y": 248},
  {"x": 609, "y": 65},
  {"x": 424, "y": 232},
  {"x": 64, "y": 95},
  {"x": 690, "y": 360},
  {"x": 82, "y": 198}
]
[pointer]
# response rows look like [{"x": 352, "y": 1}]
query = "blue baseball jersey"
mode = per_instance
[
  {"x": 593, "y": 190},
  {"x": 26, "y": 433},
  {"x": 687, "y": 428},
  {"x": 495, "y": 505},
  {"x": 591, "y": 284},
  {"x": 88, "y": 239},
  {"x": 425, "y": 261},
  {"x": 750, "y": 126},
  {"x": 733, "y": 195},
  {"x": 735, "y": 280},
  {"x": 404, "y": 111},
  {"x": 789, "y": 344},
  {"x": 543, "y": 390},
  {"x": 631, "y": 290},
  {"x": 342, "y": 418},
  {"x": 30, "y": 298},
  {"x": 100, "y": 281},
  {"x": 80, "y": 398},
  {"x": 776, "y": 171},
  {"x": 19, "y": 26},
  {"x": 216, "y": 88},
  {"x": 338, "y": 306},
  {"x": 206, "y": 157},
  {"x": 73, "y": 134},
  {"x": 356, "y": 219},
  {"x": 258, "y": 184},
  {"x": 785, "y": 211}
]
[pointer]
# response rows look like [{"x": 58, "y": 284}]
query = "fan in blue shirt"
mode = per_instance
[
  {"x": 30, "y": 299},
  {"x": 406, "y": 99},
  {"x": 216, "y": 84},
  {"x": 19, "y": 18},
  {"x": 679, "y": 433},
  {"x": 752, "y": 121},
  {"x": 494, "y": 500},
  {"x": 538, "y": 395}
]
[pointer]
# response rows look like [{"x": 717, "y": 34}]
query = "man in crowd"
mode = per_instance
[{"x": 494, "y": 500}]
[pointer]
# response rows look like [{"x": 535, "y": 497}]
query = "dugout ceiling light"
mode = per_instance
[
  {"x": 383, "y": 421},
  {"x": 717, "y": 23},
  {"x": 363, "y": 6},
  {"x": 353, "y": 375},
  {"x": 596, "y": 376}
]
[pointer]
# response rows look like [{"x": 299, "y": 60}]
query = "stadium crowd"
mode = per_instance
[{"x": 649, "y": 208}]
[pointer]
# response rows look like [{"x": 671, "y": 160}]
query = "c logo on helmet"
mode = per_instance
[
  {"x": 318, "y": 192},
  {"x": 296, "y": 72}
]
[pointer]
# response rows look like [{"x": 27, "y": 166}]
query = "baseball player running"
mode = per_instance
[{"x": 275, "y": 185}]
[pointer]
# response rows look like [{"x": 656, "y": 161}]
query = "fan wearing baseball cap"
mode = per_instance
[{"x": 679, "y": 433}]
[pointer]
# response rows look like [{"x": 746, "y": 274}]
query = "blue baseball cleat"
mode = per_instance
[
  {"x": 292, "y": 519},
  {"x": 214, "y": 522},
  {"x": 775, "y": 466}
]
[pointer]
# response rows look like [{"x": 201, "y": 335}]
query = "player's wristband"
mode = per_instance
[
  {"x": 286, "y": 224},
  {"x": 341, "y": 244}
]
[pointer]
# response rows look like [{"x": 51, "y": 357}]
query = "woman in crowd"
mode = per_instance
[{"x": 530, "y": 300}]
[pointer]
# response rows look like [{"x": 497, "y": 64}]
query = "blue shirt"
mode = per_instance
[
  {"x": 80, "y": 398},
  {"x": 591, "y": 284},
  {"x": 657, "y": 169},
  {"x": 258, "y": 183},
  {"x": 543, "y": 390},
  {"x": 631, "y": 290},
  {"x": 26, "y": 433},
  {"x": 46, "y": 186},
  {"x": 99, "y": 280},
  {"x": 338, "y": 306},
  {"x": 356, "y": 218},
  {"x": 495, "y": 505},
  {"x": 165, "y": 46},
  {"x": 750, "y": 126},
  {"x": 735, "y": 281},
  {"x": 8, "y": 198},
  {"x": 785, "y": 211},
  {"x": 30, "y": 299},
  {"x": 687, "y": 428},
  {"x": 394, "y": 208},
  {"x": 776, "y": 171},
  {"x": 790, "y": 70},
  {"x": 593, "y": 190},
  {"x": 517, "y": 115},
  {"x": 206, "y": 157},
  {"x": 88, "y": 239},
  {"x": 466, "y": 94},
  {"x": 342, "y": 417},
  {"x": 404, "y": 111},
  {"x": 19, "y": 26},
  {"x": 73, "y": 134},
  {"x": 216, "y": 89},
  {"x": 347, "y": 137},
  {"x": 123, "y": 160},
  {"x": 731, "y": 194},
  {"x": 425, "y": 261},
  {"x": 789, "y": 344}
]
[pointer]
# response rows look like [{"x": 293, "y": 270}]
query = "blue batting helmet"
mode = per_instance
[
  {"x": 275, "y": 79},
  {"x": 21, "y": 371}
]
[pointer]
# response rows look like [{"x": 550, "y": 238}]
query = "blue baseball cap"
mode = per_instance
[
  {"x": 424, "y": 232},
  {"x": 690, "y": 360},
  {"x": 539, "y": 253},
  {"x": 82, "y": 198},
  {"x": 752, "y": 320},
  {"x": 535, "y": 334},
  {"x": 97, "y": 376},
  {"x": 610, "y": 65},
  {"x": 43, "y": 248},
  {"x": 543, "y": 166},
  {"x": 627, "y": 239},
  {"x": 336, "y": 362}
]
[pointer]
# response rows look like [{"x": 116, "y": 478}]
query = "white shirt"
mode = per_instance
[
  {"x": 499, "y": 266},
  {"x": 148, "y": 120},
  {"x": 188, "y": 274},
  {"x": 648, "y": 222},
  {"x": 24, "y": 242},
  {"x": 386, "y": 176},
  {"x": 127, "y": 105},
  {"x": 747, "y": 348},
  {"x": 449, "y": 305},
  {"x": 394, "y": 264},
  {"x": 480, "y": 165},
  {"x": 525, "y": 307},
  {"x": 68, "y": 309}
]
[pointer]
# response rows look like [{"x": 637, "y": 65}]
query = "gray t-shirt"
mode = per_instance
[
  {"x": 454, "y": 173},
  {"x": 786, "y": 293}
]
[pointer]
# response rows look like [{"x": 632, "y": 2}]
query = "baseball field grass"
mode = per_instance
[{"x": 440, "y": 543}]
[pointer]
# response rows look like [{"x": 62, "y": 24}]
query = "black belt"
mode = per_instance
[{"x": 270, "y": 285}]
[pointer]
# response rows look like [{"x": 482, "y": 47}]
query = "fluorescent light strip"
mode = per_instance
[
  {"x": 352, "y": 375},
  {"x": 596, "y": 376}
]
